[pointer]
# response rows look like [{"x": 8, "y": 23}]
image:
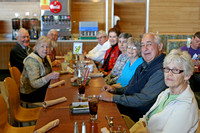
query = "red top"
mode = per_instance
[{"x": 113, "y": 57}]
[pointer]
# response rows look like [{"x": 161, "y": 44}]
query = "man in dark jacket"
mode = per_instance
[
  {"x": 139, "y": 95},
  {"x": 19, "y": 52}
]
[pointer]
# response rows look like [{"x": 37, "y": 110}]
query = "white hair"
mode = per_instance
[{"x": 182, "y": 59}]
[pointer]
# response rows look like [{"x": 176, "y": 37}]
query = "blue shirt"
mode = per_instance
[{"x": 128, "y": 72}]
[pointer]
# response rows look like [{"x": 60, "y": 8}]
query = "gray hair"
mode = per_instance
[
  {"x": 180, "y": 59},
  {"x": 21, "y": 30},
  {"x": 101, "y": 32},
  {"x": 49, "y": 32},
  {"x": 136, "y": 43},
  {"x": 124, "y": 35},
  {"x": 42, "y": 39},
  {"x": 156, "y": 37}
]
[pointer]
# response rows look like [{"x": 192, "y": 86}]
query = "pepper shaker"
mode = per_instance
[
  {"x": 75, "y": 127},
  {"x": 83, "y": 128}
]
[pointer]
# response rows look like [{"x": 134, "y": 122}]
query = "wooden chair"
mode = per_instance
[
  {"x": 198, "y": 129},
  {"x": 16, "y": 75},
  {"x": 9, "y": 65},
  {"x": 5, "y": 127},
  {"x": 17, "y": 112}
]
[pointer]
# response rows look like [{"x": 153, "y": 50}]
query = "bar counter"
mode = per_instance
[{"x": 63, "y": 47}]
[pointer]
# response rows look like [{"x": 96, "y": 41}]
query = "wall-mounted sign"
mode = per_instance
[
  {"x": 44, "y": 4},
  {"x": 55, "y": 6}
]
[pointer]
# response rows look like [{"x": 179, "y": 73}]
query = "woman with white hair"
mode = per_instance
[
  {"x": 176, "y": 109},
  {"x": 135, "y": 59},
  {"x": 37, "y": 72}
]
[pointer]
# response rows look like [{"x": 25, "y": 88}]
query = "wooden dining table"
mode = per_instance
[{"x": 67, "y": 119}]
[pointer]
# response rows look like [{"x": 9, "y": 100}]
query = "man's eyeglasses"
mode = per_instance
[
  {"x": 175, "y": 71},
  {"x": 54, "y": 35},
  {"x": 131, "y": 47}
]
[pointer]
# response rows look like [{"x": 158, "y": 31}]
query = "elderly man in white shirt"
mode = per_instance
[{"x": 98, "y": 52}]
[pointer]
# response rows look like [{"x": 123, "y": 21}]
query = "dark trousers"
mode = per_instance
[
  {"x": 131, "y": 112},
  {"x": 195, "y": 82},
  {"x": 36, "y": 96}
]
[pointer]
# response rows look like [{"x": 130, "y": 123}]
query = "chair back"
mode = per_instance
[
  {"x": 3, "y": 114},
  {"x": 9, "y": 65},
  {"x": 16, "y": 75},
  {"x": 13, "y": 96},
  {"x": 5, "y": 127}
]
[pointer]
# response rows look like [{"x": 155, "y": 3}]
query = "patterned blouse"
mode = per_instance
[{"x": 117, "y": 70}]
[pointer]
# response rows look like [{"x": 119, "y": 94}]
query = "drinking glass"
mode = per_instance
[
  {"x": 70, "y": 55},
  {"x": 64, "y": 66},
  {"x": 81, "y": 57},
  {"x": 81, "y": 88},
  {"x": 93, "y": 101},
  {"x": 66, "y": 58}
]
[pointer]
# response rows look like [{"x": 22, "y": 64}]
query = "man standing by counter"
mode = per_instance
[
  {"x": 98, "y": 52},
  {"x": 21, "y": 50}
]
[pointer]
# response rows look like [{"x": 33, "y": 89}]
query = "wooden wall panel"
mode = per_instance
[
  {"x": 166, "y": 16},
  {"x": 132, "y": 17},
  {"x": 87, "y": 11},
  {"x": 5, "y": 48},
  {"x": 174, "y": 16}
]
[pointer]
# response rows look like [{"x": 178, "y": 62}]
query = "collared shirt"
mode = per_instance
[
  {"x": 98, "y": 52},
  {"x": 27, "y": 49},
  {"x": 22, "y": 45},
  {"x": 128, "y": 72}
]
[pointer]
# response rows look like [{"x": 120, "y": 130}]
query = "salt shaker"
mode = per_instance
[
  {"x": 83, "y": 128},
  {"x": 79, "y": 73},
  {"x": 75, "y": 127}
]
